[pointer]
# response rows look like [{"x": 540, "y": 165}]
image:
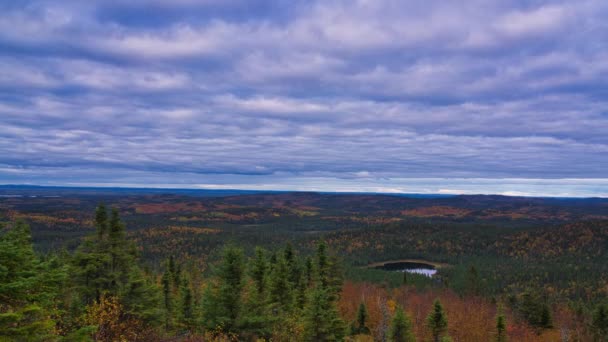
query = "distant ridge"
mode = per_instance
[{"x": 12, "y": 190}]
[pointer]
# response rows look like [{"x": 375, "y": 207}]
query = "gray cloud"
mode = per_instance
[{"x": 302, "y": 91}]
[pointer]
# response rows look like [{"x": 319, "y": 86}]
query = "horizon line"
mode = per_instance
[{"x": 192, "y": 187}]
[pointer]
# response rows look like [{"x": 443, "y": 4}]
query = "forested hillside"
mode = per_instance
[{"x": 287, "y": 267}]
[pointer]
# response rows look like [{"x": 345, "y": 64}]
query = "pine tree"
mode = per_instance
[
  {"x": 222, "y": 302},
  {"x": 29, "y": 288},
  {"x": 259, "y": 271},
  {"x": 167, "y": 298},
  {"x": 360, "y": 323},
  {"x": 280, "y": 292},
  {"x": 545, "y": 320},
  {"x": 437, "y": 321},
  {"x": 473, "y": 284},
  {"x": 401, "y": 328},
  {"x": 308, "y": 270},
  {"x": 322, "y": 265},
  {"x": 321, "y": 319},
  {"x": 187, "y": 305},
  {"x": 101, "y": 221},
  {"x": 536, "y": 310},
  {"x": 599, "y": 322},
  {"x": 106, "y": 264},
  {"x": 501, "y": 328}
]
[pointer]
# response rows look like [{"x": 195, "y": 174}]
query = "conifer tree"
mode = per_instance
[
  {"x": 321, "y": 319},
  {"x": 222, "y": 302},
  {"x": 401, "y": 328},
  {"x": 360, "y": 326},
  {"x": 167, "y": 298},
  {"x": 437, "y": 321},
  {"x": 259, "y": 271},
  {"x": 280, "y": 293},
  {"x": 101, "y": 221},
  {"x": 473, "y": 283},
  {"x": 501, "y": 328},
  {"x": 29, "y": 288},
  {"x": 308, "y": 270},
  {"x": 187, "y": 305},
  {"x": 599, "y": 323},
  {"x": 106, "y": 264}
]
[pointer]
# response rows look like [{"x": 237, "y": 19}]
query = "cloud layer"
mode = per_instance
[{"x": 325, "y": 93}]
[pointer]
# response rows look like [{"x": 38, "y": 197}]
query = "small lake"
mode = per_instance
[{"x": 410, "y": 267}]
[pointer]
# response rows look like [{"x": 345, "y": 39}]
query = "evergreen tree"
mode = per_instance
[
  {"x": 473, "y": 283},
  {"x": 501, "y": 328},
  {"x": 546, "y": 320},
  {"x": 321, "y": 319},
  {"x": 328, "y": 274},
  {"x": 401, "y": 328},
  {"x": 360, "y": 326},
  {"x": 29, "y": 288},
  {"x": 437, "y": 321},
  {"x": 101, "y": 221},
  {"x": 259, "y": 271},
  {"x": 187, "y": 305},
  {"x": 106, "y": 264},
  {"x": 167, "y": 298},
  {"x": 280, "y": 294},
  {"x": 292, "y": 265},
  {"x": 322, "y": 265},
  {"x": 536, "y": 310},
  {"x": 222, "y": 302},
  {"x": 599, "y": 323},
  {"x": 308, "y": 270}
]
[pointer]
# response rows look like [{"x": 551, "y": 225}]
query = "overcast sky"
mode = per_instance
[{"x": 414, "y": 96}]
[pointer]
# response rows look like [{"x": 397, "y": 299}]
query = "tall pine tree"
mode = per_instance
[{"x": 401, "y": 328}]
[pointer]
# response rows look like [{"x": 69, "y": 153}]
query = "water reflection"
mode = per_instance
[{"x": 410, "y": 267}]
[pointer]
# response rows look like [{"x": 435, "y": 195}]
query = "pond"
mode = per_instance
[{"x": 410, "y": 267}]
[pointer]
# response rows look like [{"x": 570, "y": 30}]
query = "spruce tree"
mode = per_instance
[
  {"x": 437, "y": 321},
  {"x": 321, "y": 318},
  {"x": 280, "y": 292},
  {"x": 167, "y": 298},
  {"x": 473, "y": 283},
  {"x": 101, "y": 221},
  {"x": 187, "y": 305},
  {"x": 599, "y": 322},
  {"x": 29, "y": 288},
  {"x": 401, "y": 328},
  {"x": 360, "y": 326},
  {"x": 259, "y": 271},
  {"x": 222, "y": 301},
  {"x": 501, "y": 328},
  {"x": 106, "y": 264}
]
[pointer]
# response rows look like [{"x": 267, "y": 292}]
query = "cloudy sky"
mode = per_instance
[{"x": 413, "y": 96}]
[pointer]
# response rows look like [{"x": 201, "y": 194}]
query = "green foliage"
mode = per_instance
[
  {"x": 280, "y": 291},
  {"x": 501, "y": 328},
  {"x": 359, "y": 326},
  {"x": 223, "y": 300},
  {"x": 259, "y": 271},
  {"x": 437, "y": 321},
  {"x": 599, "y": 322},
  {"x": 106, "y": 264},
  {"x": 29, "y": 288},
  {"x": 401, "y": 328},
  {"x": 321, "y": 319},
  {"x": 535, "y": 310}
]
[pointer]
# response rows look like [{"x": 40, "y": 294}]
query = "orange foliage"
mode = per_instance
[
  {"x": 470, "y": 319},
  {"x": 112, "y": 323},
  {"x": 436, "y": 211},
  {"x": 169, "y": 207}
]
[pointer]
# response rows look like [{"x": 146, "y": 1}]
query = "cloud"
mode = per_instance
[{"x": 322, "y": 93}]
